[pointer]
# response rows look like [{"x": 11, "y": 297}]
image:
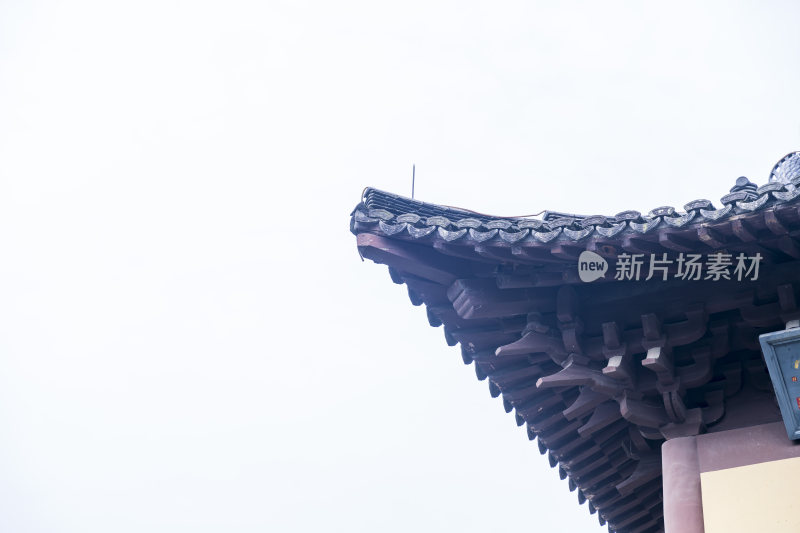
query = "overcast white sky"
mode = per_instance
[{"x": 188, "y": 339}]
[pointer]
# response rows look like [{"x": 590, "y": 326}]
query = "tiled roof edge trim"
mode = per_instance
[{"x": 403, "y": 213}]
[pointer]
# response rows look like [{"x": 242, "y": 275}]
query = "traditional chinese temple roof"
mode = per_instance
[{"x": 602, "y": 373}]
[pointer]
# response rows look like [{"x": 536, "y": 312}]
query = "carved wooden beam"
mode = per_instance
[
  {"x": 575, "y": 374},
  {"x": 461, "y": 252},
  {"x": 673, "y": 241},
  {"x": 743, "y": 231},
  {"x": 411, "y": 258},
  {"x": 480, "y": 298},
  {"x": 587, "y": 400},
  {"x": 642, "y": 414},
  {"x": 693, "y": 425},
  {"x": 659, "y": 360},
  {"x": 774, "y": 224},
  {"x": 533, "y": 342},
  {"x": 604, "y": 415}
]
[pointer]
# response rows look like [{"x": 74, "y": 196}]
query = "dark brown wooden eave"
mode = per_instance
[{"x": 599, "y": 373}]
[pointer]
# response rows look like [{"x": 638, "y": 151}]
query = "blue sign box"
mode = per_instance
[{"x": 782, "y": 353}]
